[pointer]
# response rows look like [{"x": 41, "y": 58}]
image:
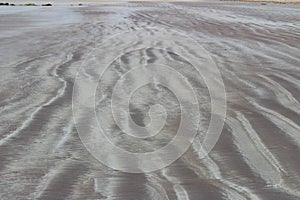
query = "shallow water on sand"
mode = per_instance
[{"x": 256, "y": 49}]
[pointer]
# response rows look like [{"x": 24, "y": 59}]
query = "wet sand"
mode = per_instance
[{"x": 256, "y": 49}]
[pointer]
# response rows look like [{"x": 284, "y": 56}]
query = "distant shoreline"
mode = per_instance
[
  {"x": 268, "y": 1},
  {"x": 82, "y": 2}
]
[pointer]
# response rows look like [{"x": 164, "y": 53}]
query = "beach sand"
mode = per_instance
[{"x": 255, "y": 47}]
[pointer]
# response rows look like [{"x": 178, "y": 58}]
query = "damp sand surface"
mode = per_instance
[{"x": 255, "y": 47}]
